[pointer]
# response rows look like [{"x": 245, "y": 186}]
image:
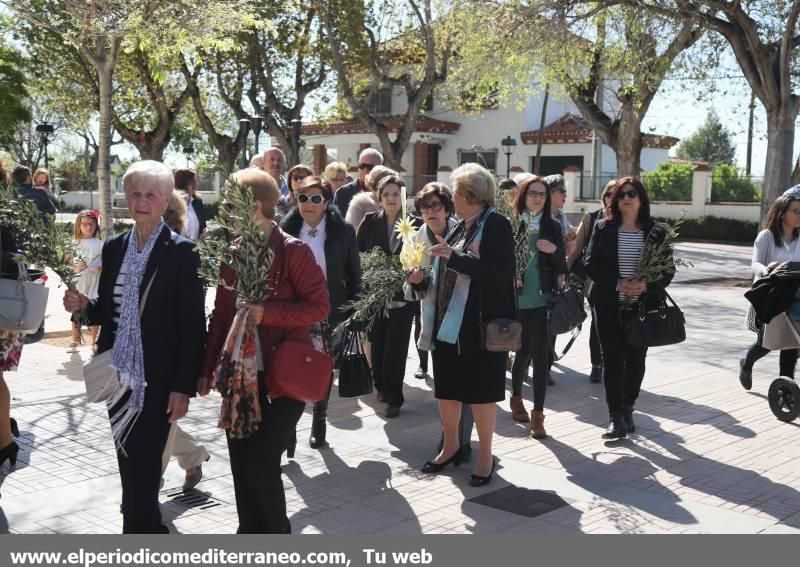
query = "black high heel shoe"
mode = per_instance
[
  {"x": 477, "y": 480},
  {"x": 14, "y": 428},
  {"x": 9, "y": 452},
  {"x": 431, "y": 468}
]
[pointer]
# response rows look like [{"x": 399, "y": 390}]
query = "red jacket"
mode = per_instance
[{"x": 300, "y": 299}]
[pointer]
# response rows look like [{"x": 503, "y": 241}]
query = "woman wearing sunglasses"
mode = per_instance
[
  {"x": 612, "y": 259},
  {"x": 287, "y": 202},
  {"x": 333, "y": 242}
]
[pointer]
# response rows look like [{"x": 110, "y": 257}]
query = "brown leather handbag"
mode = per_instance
[{"x": 501, "y": 335}]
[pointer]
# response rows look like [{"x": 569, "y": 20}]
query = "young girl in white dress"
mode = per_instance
[{"x": 88, "y": 262}]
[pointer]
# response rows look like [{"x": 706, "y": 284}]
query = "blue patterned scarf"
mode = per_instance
[{"x": 127, "y": 356}]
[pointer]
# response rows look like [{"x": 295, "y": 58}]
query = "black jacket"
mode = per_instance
[
  {"x": 602, "y": 264},
  {"x": 550, "y": 265},
  {"x": 173, "y": 323},
  {"x": 342, "y": 262},
  {"x": 492, "y": 275},
  {"x": 197, "y": 205},
  {"x": 345, "y": 194},
  {"x": 773, "y": 294},
  {"x": 40, "y": 197},
  {"x": 8, "y": 247}
]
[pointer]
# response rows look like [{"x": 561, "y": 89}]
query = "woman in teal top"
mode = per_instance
[{"x": 546, "y": 267}]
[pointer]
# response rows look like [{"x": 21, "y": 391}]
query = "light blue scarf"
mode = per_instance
[
  {"x": 127, "y": 356},
  {"x": 454, "y": 316}
]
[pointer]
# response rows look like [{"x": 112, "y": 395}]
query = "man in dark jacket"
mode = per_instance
[
  {"x": 367, "y": 159},
  {"x": 41, "y": 197}
]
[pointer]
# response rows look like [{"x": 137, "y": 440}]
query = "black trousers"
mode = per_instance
[
  {"x": 786, "y": 363},
  {"x": 140, "y": 466},
  {"x": 623, "y": 364},
  {"x": 256, "y": 467},
  {"x": 595, "y": 355},
  {"x": 536, "y": 346},
  {"x": 423, "y": 354},
  {"x": 389, "y": 337}
]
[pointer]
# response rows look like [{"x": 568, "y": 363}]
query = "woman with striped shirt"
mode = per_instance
[{"x": 611, "y": 262}]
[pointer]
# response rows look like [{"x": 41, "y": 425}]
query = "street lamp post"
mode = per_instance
[
  {"x": 256, "y": 123},
  {"x": 244, "y": 124},
  {"x": 44, "y": 129},
  {"x": 188, "y": 150},
  {"x": 509, "y": 144}
]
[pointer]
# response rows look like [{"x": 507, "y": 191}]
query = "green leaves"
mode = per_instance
[
  {"x": 658, "y": 258},
  {"x": 39, "y": 239},
  {"x": 382, "y": 279},
  {"x": 238, "y": 243}
]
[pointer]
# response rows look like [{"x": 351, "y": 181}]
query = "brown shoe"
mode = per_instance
[
  {"x": 518, "y": 411},
  {"x": 537, "y": 425}
]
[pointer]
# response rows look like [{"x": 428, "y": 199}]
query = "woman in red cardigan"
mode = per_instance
[{"x": 300, "y": 298}]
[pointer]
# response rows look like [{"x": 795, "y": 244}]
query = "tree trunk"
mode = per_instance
[
  {"x": 106, "y": 197},
  {"x": 780, "y": 145},
  {"x": 629, "y": 151}
]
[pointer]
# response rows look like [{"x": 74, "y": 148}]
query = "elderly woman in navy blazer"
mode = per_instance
[{"x": 158, "y": 356}]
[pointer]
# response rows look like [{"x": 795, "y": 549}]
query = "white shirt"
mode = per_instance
[
  {"x": 315, "y": 238},
  {"x": 192, "y": 230}
]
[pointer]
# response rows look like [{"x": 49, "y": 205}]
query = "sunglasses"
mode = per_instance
[
  {"x": 367, "y": 166},
  {"x": 434, "y": 206},
  {"x": 630, "y": 194},
  {"x": 316, "y": 199}
]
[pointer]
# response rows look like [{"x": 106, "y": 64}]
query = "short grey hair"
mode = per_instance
[
  {"x": 149, "y": 171},
  {"x": 371, "y": 152},
  {"x": 274, "y": 149},
  {"x": 556, "y": 182},
  {"x": 476, "y": 181}
]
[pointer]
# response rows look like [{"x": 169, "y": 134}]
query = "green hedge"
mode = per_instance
[
  {"x": 715, "y": 228},
  {"x": 669, "y": 182}
]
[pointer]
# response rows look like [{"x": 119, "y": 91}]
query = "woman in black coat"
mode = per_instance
[
  {"x": 474, "y": 284},
  {"x": 612, "y": 262},
  {"x": 318, "y": 222},
  {"x": 389, "y": 335},
  {"x": 165, "y": 345}
]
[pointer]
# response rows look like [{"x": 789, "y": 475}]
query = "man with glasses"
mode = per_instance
[{"x": 367, "y": 159}]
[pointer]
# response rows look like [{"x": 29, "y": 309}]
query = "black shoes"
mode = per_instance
[
  {"x": 616, "y": 427},
  {"x": 318, "y": 431},
  {"x": 597, "y": 375},
  {"x": 14, "y": 428},
  {"x": 431, "y": 468},
  {"x": 421, "y": 373},
  {"x": 627, "y": 417},
  {"x": 391, "y": 411},
  {"x": 745, "y": 375},
  {"x": 9, "y": 452},
  {"x": 477, "y": 480}
]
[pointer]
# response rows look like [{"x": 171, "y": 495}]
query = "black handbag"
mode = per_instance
[
  {"x": 355, "y": 378},
  {"x": 565, "y": 311},
  {"x": 655, "y": 327}
]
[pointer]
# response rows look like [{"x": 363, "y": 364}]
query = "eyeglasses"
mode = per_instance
[
  {"x": 630, "y": 194},
  {"x": 316, "y": 199},
  {"x": 536, "y": 194},
  {"x": 367, "y": 166},
  {"x": 434, "y": 206},
  {"x": 558, "y": 191}
]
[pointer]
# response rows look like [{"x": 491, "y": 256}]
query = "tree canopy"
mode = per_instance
[{"x": 711, "y": 142}]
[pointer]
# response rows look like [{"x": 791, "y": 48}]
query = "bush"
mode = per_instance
[
  {"x": 728, "y": 185},
  {"x": 716, "y": 228},
  {"x": 669, "y": 182}
]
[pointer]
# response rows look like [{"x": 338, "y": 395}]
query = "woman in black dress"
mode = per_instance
[{"x": 474, "y": 283}]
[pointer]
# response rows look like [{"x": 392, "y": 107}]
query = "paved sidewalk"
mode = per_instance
[{"x": 707, "y": 456}]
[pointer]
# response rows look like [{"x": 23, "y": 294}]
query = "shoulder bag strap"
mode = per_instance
[{"x": 146, "y": 293}]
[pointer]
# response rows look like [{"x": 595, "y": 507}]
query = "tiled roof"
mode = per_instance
[
  {"x": 423, "y": 124},
  {"x": 573, "y": 129}
]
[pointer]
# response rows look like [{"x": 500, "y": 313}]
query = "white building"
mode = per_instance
[{"x": 444, "y": 139}]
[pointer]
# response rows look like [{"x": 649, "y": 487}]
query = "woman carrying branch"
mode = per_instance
[
  {"x": 613, "y": 262},
  {"x": 296, "y": 296}
]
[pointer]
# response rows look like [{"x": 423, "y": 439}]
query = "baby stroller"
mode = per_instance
[{"x": 783, "y": 332}]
